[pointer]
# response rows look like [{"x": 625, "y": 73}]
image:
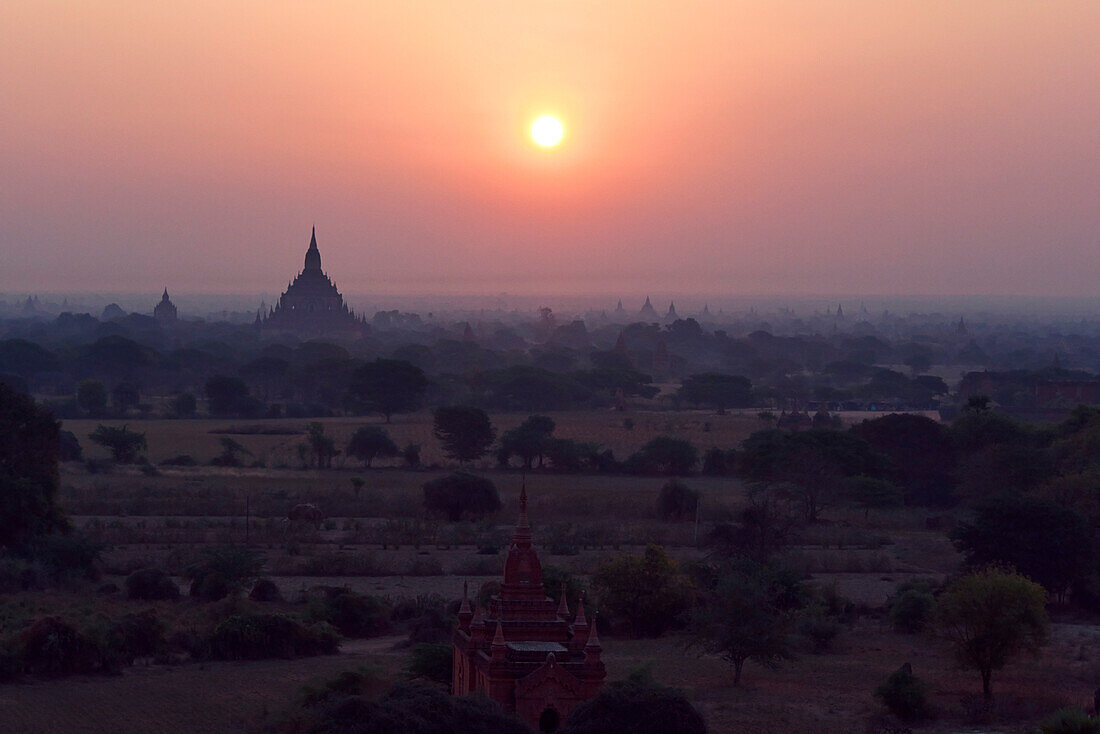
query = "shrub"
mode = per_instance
[
  {"x": 636, "y": 706},
  {"x": 664, "y": 455},
  {"x": 51, "y": 646},
  {"x": 149, "y": 584},
  {"x": 912, "y": 610},
  {"x": 137, "y": 635},
  {"x": 904, "y": 694},
  {"x": 257, "y": 636},
  {"x": 431, "y": 660},
  {"x": 210, "y": 586},
  {"x": 181, "y": 460},
  {"x": 1070, "y": 721},
  {"x": 718, "y": 463},
  {"x": 17, "y": 574},
  {"x": 353, "y": 615},
  {"x": 818, "y": 626},
  {"x": 265, "y": 590},
  {"x": 677, "y": 501},
  {"x": 461, "y": 494},
  {"x": 645, "y": 591}
]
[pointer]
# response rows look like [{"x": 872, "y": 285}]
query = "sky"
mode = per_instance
[{"x": 727, "y": 147}]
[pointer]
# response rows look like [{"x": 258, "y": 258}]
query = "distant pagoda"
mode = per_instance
[
  {"x": 311, "y": 304},
  {"x": 165, "y": 311}
]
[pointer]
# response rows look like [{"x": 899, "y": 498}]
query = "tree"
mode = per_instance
[
  {"x": 812, "y": 465},
  {"x": 230, "y": 449},
  {"x": 461, "y": 495},
  {"x": 529, "y": 440},
  {"x": 466, "y": 432},
  {"x": 123, "y": 443},
  {"x": 387, "y": 386},
  {"x": 920, "y": 452},
  {"x": 748, "y": 616},
  {"x": 91, "y": 397},
  {"x": 646, "y": 591},
  {"x": 369, "y": 442},
  {"x": 322, "y": 446},
  {"x": 664, "y": 455},
  {"x": 29, "y": 480},
  {"x": 182, "y": 405},
  {"x": 677, "y": 501},
  {"x": 717, "y": 390},
  {"x": 637, "y": 705},
  {"x": 124, "y": 396},
  {"x": 225, "y": 395},
  {"x": 1046, "y": 542},
  {"x": 990, "y": 617}
]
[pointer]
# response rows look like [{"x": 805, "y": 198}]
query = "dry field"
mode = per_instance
[{"x": 381, "y": 542}]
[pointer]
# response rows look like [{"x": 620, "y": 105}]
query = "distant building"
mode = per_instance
[
  {"x": 524, "y": 651},
  {"x": 165, "y": 311},
  {"x": 311, "y": 304},
  {"x": 648, "y": 313}
]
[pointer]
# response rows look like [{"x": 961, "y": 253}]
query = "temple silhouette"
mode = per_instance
[
  {"x": 524, "y": 652},
  {"x": 311, "y": 304}
]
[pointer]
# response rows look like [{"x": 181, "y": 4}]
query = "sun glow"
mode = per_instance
[{"x": 547, "y": 131}]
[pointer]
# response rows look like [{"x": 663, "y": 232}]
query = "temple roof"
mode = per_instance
[{"x": 313, "y": 255}]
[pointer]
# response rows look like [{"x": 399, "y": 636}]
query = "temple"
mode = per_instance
[
  {"x": 524, "y": 651},
  {"x": 165, "y": 311},
  {"x": 311, "y": 304}
]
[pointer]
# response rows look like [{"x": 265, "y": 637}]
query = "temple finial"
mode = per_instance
[{"x": 563, "y": 607}]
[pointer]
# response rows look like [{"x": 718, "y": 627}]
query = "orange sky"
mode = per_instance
[{"x": 712, "y": 147}]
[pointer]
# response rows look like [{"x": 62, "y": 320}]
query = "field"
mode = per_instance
[{"x": 378, "y": 540}]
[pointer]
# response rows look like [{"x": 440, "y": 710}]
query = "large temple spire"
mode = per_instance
[{"x": 313, "y": 255}]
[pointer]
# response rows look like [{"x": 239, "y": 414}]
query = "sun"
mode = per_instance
[{"x": 547, "y": 131}]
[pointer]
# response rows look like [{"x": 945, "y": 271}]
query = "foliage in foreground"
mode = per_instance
[
  {"x": 637, "y": 705},
  {"x": 990, "y": 617}
]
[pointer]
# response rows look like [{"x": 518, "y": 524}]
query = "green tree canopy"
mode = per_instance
[
  {"x": 990, "y": 617},
  {"x": 387, "y": 386},
  {"x": 717, "y": 390},
  {"x": 646, "y": 591},
  {"x": 529, "y": 440},
  {"x": 370, "y": 442},
  {"x": 29, "y": 450},
  {"x": 748, "y": 614},
  {"x": 1044, "y": 541},
  {"x": 123, "y": 443},
  {"x": 639, "y": 706},
  {"x": 461, "y": 495},
  {"x": 465, "y": 432}
]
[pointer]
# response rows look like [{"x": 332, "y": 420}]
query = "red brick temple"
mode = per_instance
[{"x": 523, "y": 651}]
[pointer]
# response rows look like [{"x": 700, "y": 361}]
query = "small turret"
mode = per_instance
[
  {"x": 592, "y": 648},
  {"x": 563, "y": 606},
  {"x": 499, "y": 646},
  {"x": 465, "y": 615}
]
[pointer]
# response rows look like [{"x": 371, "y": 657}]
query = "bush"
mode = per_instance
[
  {"x": 257, "y": 636},
  {"x": 912, "y": 610},
  {"x": 1070, "y": 721},
  {"x": 664, "y": 455},
  {"x": 461, "y": 495},
  {"x": 353, "y": 615},
  {"x": 818, "y": 626},
  {"x": 51, "y": 646},
  {"x": 432, "y": 660},
  {"x": 647, "y": 592},
  {"x": 677, "y": 501},
  {"x": 137, "y": 635},
  {"x": 181, "y": 460},
  {"x": 637, "y": 706},
  {"x": 904, "y": 694},
  {"x": 265, "y": 590},
  {"x": 150, "y": 584},
  {"x": 718, "y": 463},
  {"x": 17, "y": 574},
  {"x": 210, "y": 586}
]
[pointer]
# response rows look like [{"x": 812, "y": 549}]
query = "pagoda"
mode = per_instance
[
  {"x": 311, "y": 304},
  {"x": 165, "y": 311},
  {"x": 533, "y": 657}
]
